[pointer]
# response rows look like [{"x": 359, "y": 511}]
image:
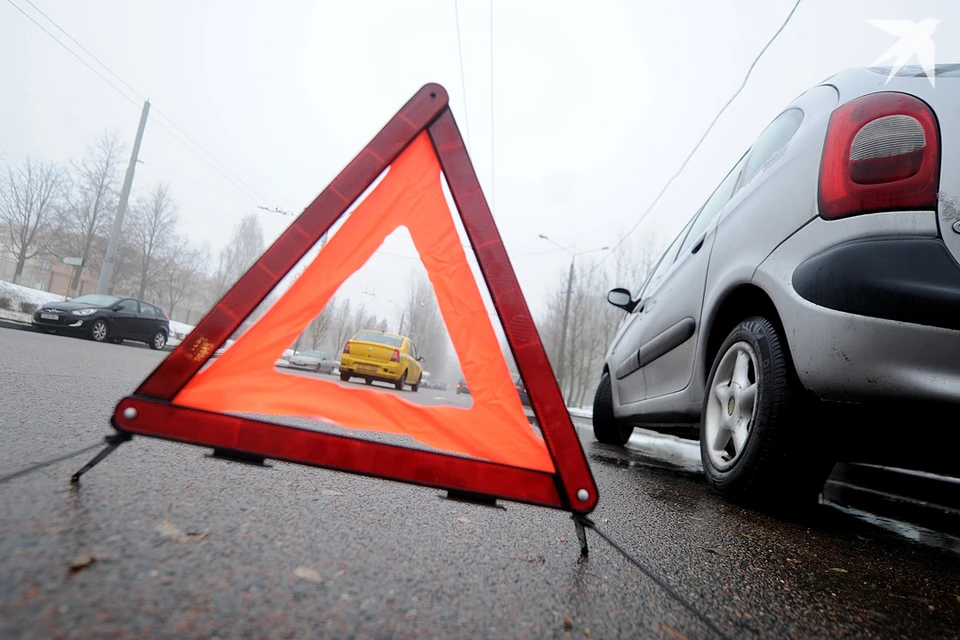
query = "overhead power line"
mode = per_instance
[
  {"x": 463, "y": 75},
  {"x": 493, "y": 168},
  {"x": 702, "y": 138},
  {"x": 237, "y": 182}
]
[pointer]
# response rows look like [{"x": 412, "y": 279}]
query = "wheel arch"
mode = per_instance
[{"x": 741, "y": 302}]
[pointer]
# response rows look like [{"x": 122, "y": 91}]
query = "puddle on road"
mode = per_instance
[
  {"x": 924, "y": 536},
  {"x": 649, "y": 450}
]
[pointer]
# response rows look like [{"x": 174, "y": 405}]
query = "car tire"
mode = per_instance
[
  {"x": 606, "y": 427},
  {"x": 99, "y": 330},
  {"x": 345, "y": 376},
  {"x": 159, "y": 341},
  {"x": 416, "y": 387},
  {"x": 402, "y": 381},
  {"x": 780, "y": 459},
  {"x": 368, "y": 380}
]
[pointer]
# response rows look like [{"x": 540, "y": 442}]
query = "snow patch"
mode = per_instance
[
  {"x": 581, "y": 412},
  {"x": 17, "y": 294}
]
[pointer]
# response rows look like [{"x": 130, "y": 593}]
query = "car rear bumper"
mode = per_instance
[
  {"x": 870, "y": 319},
  {"x": 913, "y": 280},
  {"x": 387, "y": 371}
]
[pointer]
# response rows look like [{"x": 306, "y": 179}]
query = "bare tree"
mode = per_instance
[
  {"x": 29, "y": 198},
  {"x": 245, "y": 246},
  {"x": 592, "y": 321},
  {"x": 179, "y": 271},
  {"x": 91, "y": 202},
  {"x": 321, "y": 326},
  {"x": 154, "y": 217},
  {"x": 342, "y": 329},
  {"x": 423, "y": 321}
]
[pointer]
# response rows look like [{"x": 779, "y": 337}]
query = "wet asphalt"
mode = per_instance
[{"x": 160, "y": 541}]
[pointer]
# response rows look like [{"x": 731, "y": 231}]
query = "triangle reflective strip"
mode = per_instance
[{"x": 179, "y": 401}]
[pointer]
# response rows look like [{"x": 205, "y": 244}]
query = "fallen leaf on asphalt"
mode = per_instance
[
  {"x": 310, "y": 575},
  {"x": 464, "y": 520},
  {"x": 746, "y": 536},
  {"x": 81, "y": 562},
  {"x": 839, "y": 570},
  {"x": 716, "y": 550},
  {"x": 958, "y": 598},
  {"x": 673, "y": 633},
  {"x": 568, "y": 622},
  {"x": 330, "y": 492},
  {"x": 865, "y": 539},
  {"x": 172, "y": 532}
]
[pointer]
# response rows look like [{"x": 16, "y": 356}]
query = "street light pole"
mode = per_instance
[
  {"x": 561, "y": 364},
  {"x": 106, "y": 270}
]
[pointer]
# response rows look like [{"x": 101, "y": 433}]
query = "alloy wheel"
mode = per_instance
[{"x": 730, "y": 408}]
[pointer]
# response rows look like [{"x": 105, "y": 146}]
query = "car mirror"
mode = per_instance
[
  {"x": 421, "y": 359},
  {"x": 621, "y": 298}
]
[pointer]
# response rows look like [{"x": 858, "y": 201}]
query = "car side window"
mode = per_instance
[
  {"x": 666, "y": 261},
  {"x": 148, "y": 310},
  {"x": 714, "y": 206},
  {"x": 129, "y": 306},
  {"x": 771, "y": 142}
]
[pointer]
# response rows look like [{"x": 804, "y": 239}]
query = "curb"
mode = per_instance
[{"x": 13, "y": 324}]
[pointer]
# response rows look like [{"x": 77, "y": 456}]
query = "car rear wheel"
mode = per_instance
[
  {"x": 99, "y": 330},
  {"x": 368, "y": 380},
  {"x": 606, "y": 427},
  {"x": 416, "y": 387},
  {"x": 402, "y": 381},
  {"x": 758, "y": 438},
  {"x": 345, "y": 376},
  {"x": 159, "y": 341}
]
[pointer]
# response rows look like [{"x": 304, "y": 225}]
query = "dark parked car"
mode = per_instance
[
  {"x": 105, "y": 318},
  {"x": 462, "y": 387}
]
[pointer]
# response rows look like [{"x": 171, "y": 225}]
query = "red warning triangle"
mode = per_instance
[{"x": 493, "y": 450}]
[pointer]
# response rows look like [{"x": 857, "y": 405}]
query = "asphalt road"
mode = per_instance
[{"x": 188, "y": 547}]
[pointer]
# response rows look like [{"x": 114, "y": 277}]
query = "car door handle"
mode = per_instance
[{"x": 698, "y": 245}]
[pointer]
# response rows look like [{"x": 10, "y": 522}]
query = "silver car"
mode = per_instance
[
  {"x": 821, "y": 275},
  {"x": 318, "y": 361}
]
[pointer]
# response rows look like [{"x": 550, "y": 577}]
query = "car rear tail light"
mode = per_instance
[
  {"x": 346, "y": 348},
  {"x": 396, "y": 356},
  {"x": 882, "y": 153}
]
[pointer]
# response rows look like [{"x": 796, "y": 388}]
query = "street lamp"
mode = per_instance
[{"x": 566, "y": 307}]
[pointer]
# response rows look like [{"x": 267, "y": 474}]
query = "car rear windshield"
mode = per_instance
[
  {"x": 379, "y": 338},
  {"x": 98, "y": 299}
]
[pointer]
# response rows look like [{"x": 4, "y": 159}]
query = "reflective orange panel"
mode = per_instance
[{"x": 245, "y": 380}]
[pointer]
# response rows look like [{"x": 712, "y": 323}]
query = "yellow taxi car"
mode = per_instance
[{"x": 376, "y": 355}]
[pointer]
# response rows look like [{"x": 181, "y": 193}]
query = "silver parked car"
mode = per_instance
[
  {"x": 821, "y": 275},
  {"x": 318, "y": 361}
]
